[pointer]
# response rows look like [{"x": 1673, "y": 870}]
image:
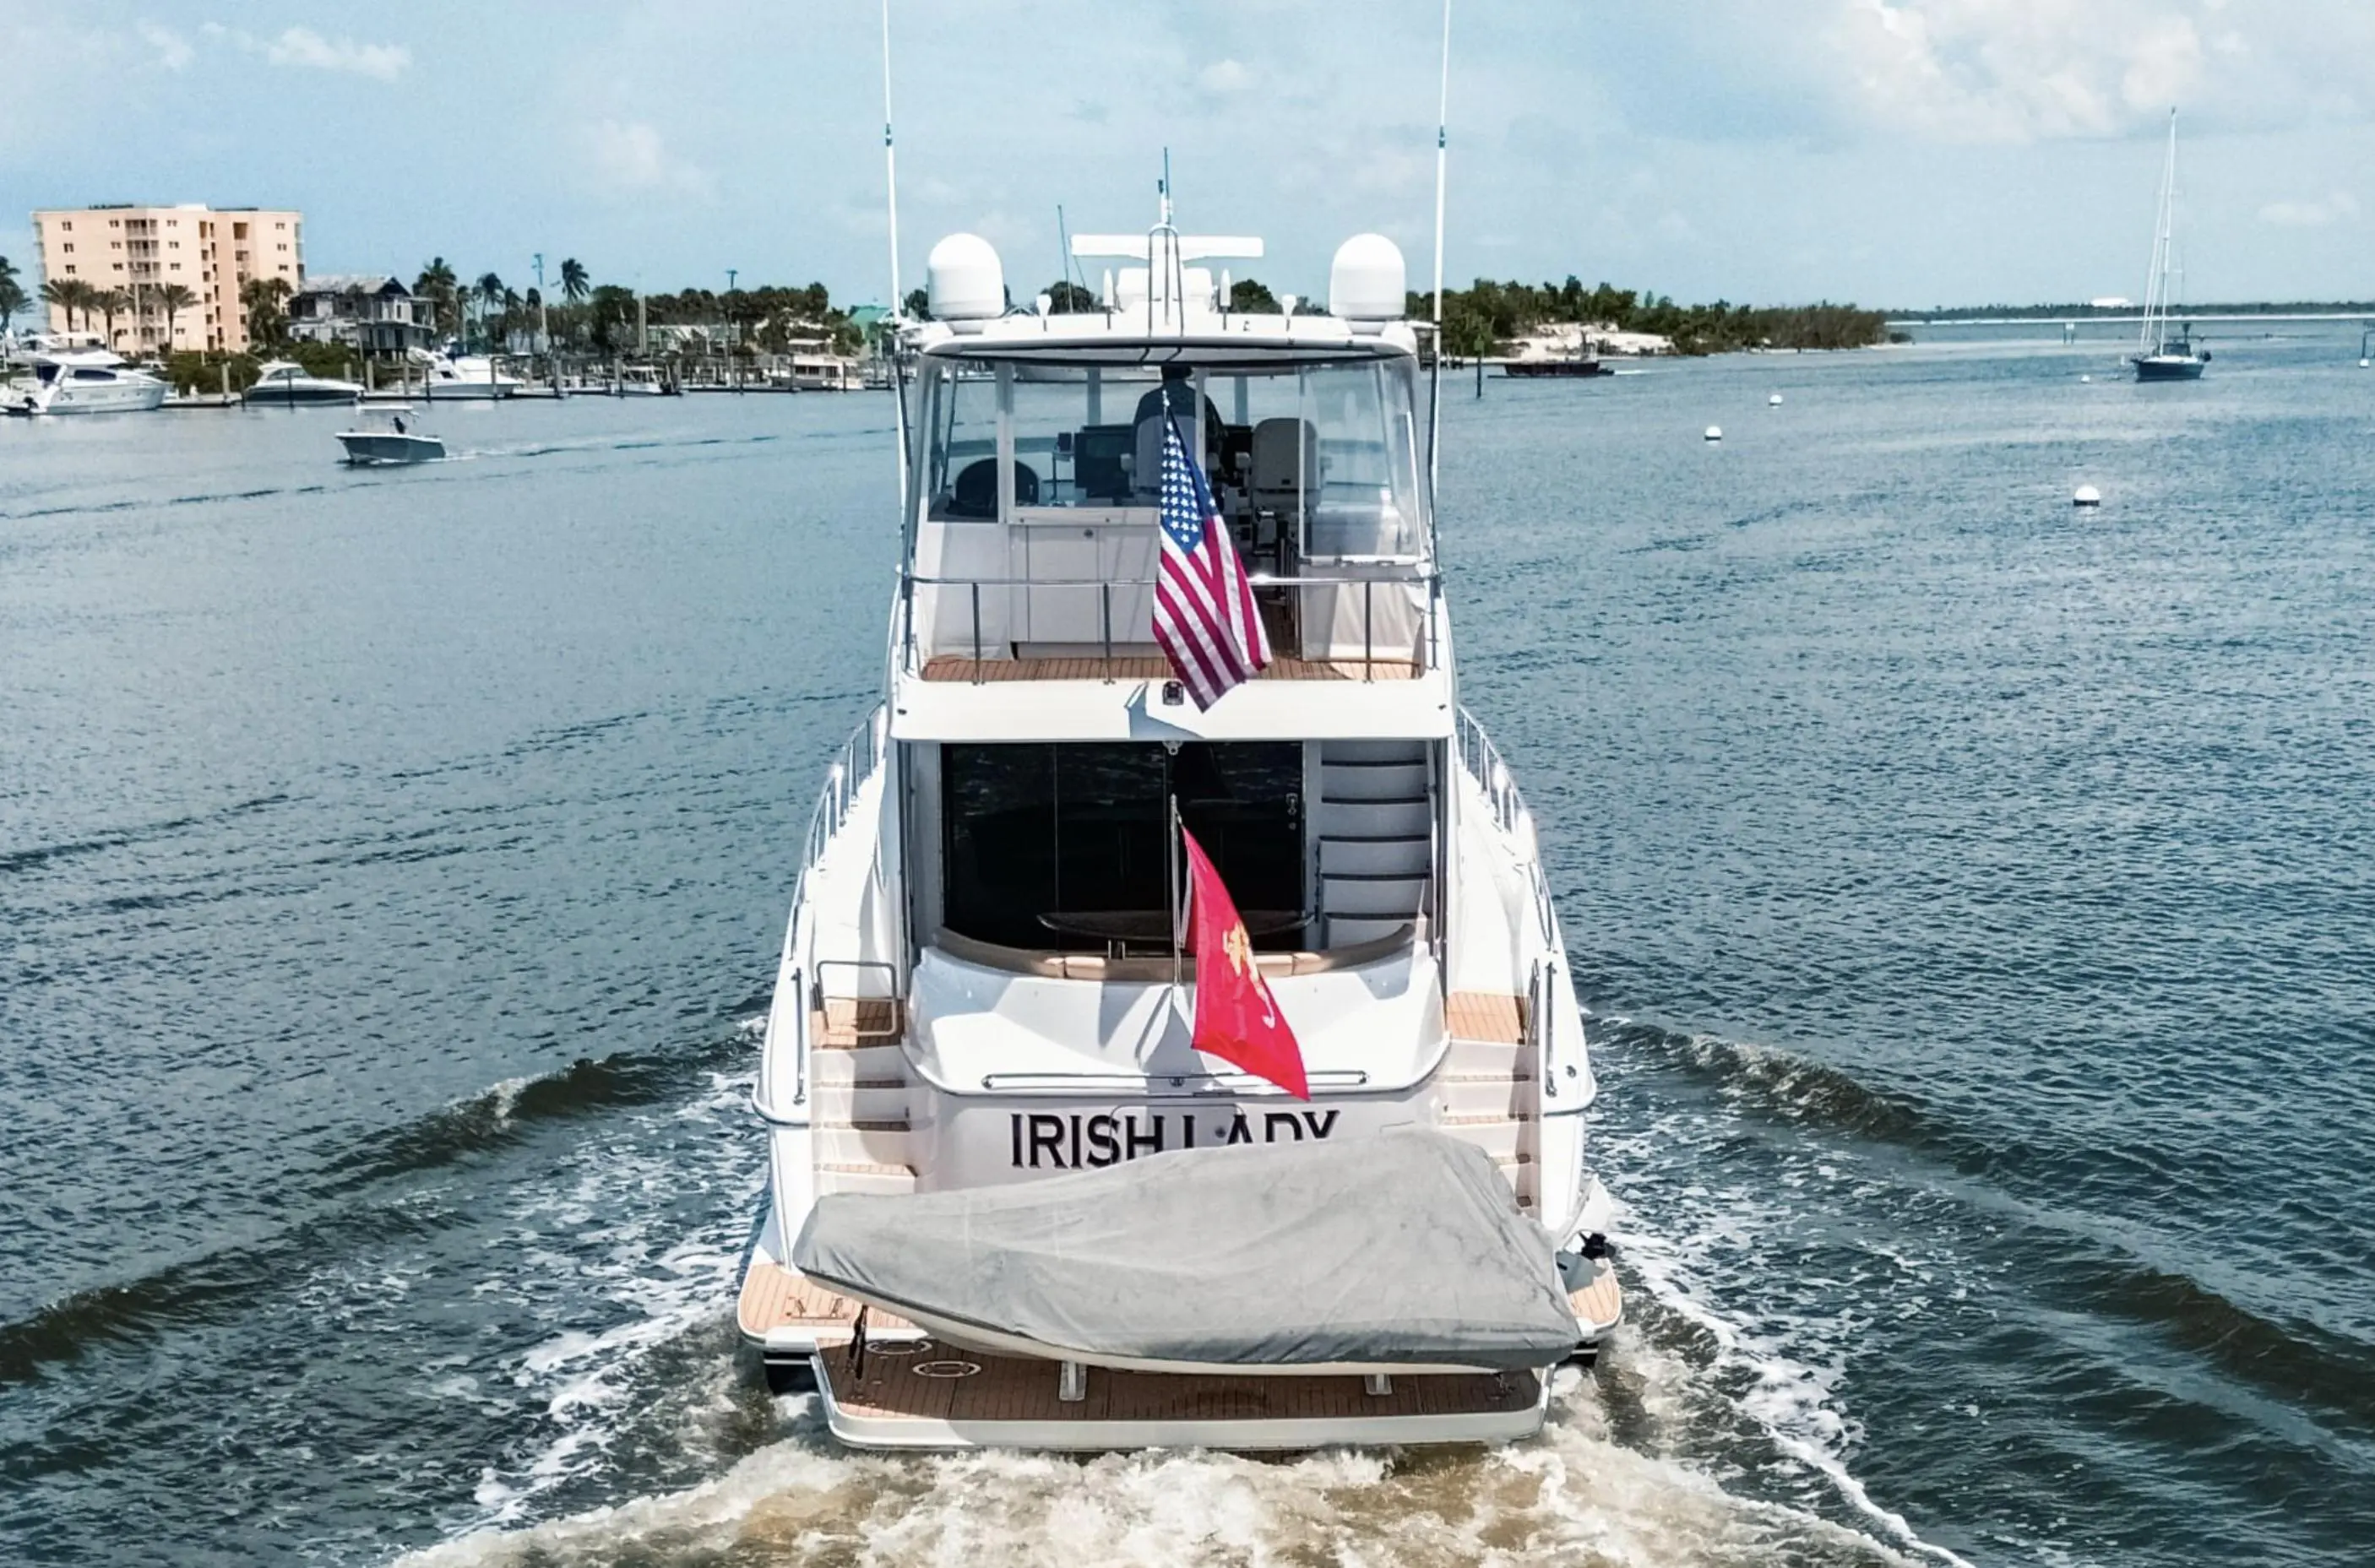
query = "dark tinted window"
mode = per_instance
[{"x": 1082, "y": 829}]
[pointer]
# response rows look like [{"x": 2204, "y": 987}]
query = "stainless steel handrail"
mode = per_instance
[
  {"x": 1424, "y": 642},
  {"x": 1482, "y": 759}
]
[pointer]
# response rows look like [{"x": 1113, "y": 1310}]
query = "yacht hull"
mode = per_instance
[
  {"x": 2169, "y": 366},
  {"x": 116, "y": 397}
]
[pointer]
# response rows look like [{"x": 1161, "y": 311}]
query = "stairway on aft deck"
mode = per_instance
[
  {"x": 1375, "y": 828},
  {"x": 1486, "y": 1093},
  {"x": 859, "y": 1084}
]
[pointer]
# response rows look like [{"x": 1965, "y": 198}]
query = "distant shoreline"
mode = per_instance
[{"x": 1985, "y": 315}]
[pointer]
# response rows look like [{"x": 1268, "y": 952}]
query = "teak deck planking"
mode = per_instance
[{"x": 1020, "y": 1388}]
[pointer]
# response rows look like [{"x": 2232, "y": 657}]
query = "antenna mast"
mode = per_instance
[
  {"x": 898, "y": 304},
  {"x": 1434, "y": 382},
  {"x": 891, "y": 165},
  {"x": 1442, "y": 149}
]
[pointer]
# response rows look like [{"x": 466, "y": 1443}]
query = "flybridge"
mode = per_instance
[{"x": 1165, "y": 300}]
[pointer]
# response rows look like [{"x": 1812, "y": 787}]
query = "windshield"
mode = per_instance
[{"x": 1327, "y": 453}]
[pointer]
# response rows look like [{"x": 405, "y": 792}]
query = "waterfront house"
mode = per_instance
[{"x": 371, "y": 312}]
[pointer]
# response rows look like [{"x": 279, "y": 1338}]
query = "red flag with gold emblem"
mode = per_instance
[{"x": 1236, "y": 1017}]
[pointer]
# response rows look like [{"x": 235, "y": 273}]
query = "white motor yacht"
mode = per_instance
[
  {"x": 283, "y": 383},
  {"x": 84, "y": 381},
  {"x": 1017, "y": 1198},
  {"x": 386, "y": 435},
  {"x": 469, "y": 375}
]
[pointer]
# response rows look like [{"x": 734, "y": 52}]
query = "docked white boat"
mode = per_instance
[
  {"x": 386, "y": 436},
  {"x": 468, "y": 375},
  {"x": 1017, "y": 1195},
  {"x": 84, "y": 381},
  {"x": 639, "y": 381},
  {"x": 285, "y": 384}
]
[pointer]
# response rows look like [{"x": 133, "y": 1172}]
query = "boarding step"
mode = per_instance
[
  {"x": 864, "y": 1143},
  {"x": 1486, "y": 1058},
  {"x": 1395, "y": 855},
  {"x": 1503, "y": 1137},
  {"x": 1377, "y": 751},
  {"x": 1485, "y": 1096},
  {"x": 874, "y": 1179},
  {"x": 848, "y": 1066},
  {"x": 858, "y": 1104},
  {"x": 1375, "y": 819},
  {"x": 1519, "y": 1173},
  {"x": 1374, "y": 897},
  {"x": 850, "y": 1022},
  {"x": 1485, "y": 1015},
  {"x": 1345, "y": 783}
]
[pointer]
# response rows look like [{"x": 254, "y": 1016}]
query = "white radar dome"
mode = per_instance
[
  {"x": 966, "y": 283},
  {"x": 1366, "y": 281}
]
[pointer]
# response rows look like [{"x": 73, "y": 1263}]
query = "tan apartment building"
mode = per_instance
[{"x": 140, "y": 250}]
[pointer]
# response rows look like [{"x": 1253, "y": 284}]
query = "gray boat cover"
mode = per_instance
[{"x": 1405, "y": 1249}]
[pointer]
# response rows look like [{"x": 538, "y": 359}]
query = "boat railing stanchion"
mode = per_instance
[
  {"x": 1105, "y": 626},
  {"x": 1368, "y": 629},
  {"x": 1071, "y": 1382},
  {"x": 975, "y": 586},
  {"x": 1378, "y": 1384}
]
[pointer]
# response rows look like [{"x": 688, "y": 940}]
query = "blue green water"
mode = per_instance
[{"x": 1974, "y": 895}]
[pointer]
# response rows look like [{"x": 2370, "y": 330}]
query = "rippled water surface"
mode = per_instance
[{"x": 1977, "y": 899}]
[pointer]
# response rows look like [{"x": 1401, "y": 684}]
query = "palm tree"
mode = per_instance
[
  {"x": 436, "y": 285},
  {"x": 262, "y": 300},
  {"x": 64, "y": 294},
  {"x": 110, "y": 303},
  {"x": 12, "y": 295},
  {"x": 575, "y": 283},
  {"x": 173, "y": 299}
]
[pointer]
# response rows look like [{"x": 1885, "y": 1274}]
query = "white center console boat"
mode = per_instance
[{"x": 1010, "y": 1203}]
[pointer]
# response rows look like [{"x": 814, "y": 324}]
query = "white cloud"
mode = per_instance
[
  {"x": 173, "y": 50},
  {"x": 630, "y": 154},
  {"x": 2015, "y": 70},
  {"x": 1225, "y": 78},
  {"x": 2337, "y": 209},
  {"x": 303, "y": 46}
]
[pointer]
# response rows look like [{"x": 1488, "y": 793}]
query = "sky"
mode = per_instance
[{"x": 1897, "y": 153}]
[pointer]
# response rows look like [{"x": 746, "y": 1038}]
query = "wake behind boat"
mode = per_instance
[{"x": 1024, "y": 1046}]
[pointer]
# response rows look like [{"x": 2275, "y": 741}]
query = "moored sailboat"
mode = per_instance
[
  {"x": 2165, "y": 350},
  {"x": 996, "y": 1093}
]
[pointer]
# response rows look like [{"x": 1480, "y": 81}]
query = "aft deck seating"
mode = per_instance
[{"x": 1052, "y": 965}]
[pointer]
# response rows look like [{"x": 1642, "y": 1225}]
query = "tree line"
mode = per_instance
[
  {"x": 1486, "y": 317},
  {"x": 601, "y": 317}
]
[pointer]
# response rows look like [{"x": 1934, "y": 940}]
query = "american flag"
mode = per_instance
[{"x": 1205, "y": 619}]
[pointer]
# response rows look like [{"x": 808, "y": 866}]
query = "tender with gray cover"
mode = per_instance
[{"x": 1403, "y": 1250}]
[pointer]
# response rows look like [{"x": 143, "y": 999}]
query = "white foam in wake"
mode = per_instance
[{"x": 1572, "y": 1495}]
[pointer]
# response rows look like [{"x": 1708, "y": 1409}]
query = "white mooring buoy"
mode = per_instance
[
  {"x": 2085, "y": 379},
  {"x": 1714, "y": 433},
  {"x": 1774, "y": 401},
  {"x": 2364, "y": 364},
  {"x": 2087, "y": 496}
]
